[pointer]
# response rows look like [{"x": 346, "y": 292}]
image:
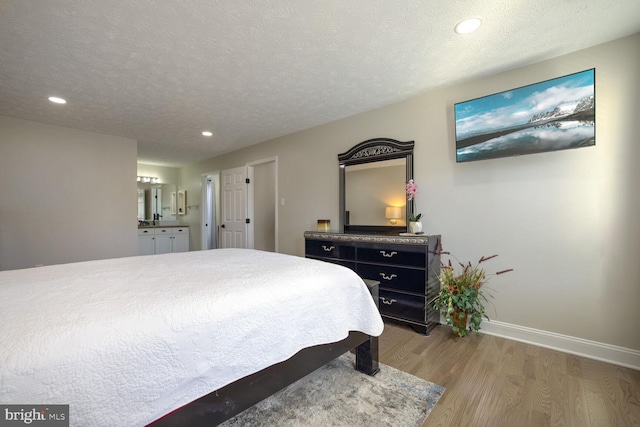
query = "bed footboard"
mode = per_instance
[{"x": 219, "y": 406}]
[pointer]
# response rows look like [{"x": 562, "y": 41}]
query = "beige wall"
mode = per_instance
[
  {"x": 566, "y": 221},
  {"x": 65, "y": 195}
]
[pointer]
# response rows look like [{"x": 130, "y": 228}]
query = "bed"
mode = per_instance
[{"x": 131, "y": 341}]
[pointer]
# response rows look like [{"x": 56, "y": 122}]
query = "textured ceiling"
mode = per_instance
[{"x": 163, "y": 71}]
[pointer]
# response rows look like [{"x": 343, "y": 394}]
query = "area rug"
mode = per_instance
[{"x": 338, "y": 395}]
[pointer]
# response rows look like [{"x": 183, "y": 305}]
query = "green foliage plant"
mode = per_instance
[
  {"x": 414, "y": 218},
  {"x": 463, "y": 293}
]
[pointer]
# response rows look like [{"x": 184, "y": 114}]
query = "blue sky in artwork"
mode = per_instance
[{"x": 517, "y": 106}]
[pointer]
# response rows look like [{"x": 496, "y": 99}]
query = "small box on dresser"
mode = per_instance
[{"x": 407, "y": 268}]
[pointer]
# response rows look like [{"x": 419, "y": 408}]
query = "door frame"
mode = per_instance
[
  {"x": 251, "y": 201},
  {"x": 205, "y": 208}
]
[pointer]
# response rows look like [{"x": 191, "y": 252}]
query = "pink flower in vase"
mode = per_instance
[{"x": 412, "y": 189}]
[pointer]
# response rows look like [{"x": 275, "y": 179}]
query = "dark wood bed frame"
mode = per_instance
[
  {"x": 227, "y": 402},
  {"x": 223, "y": 404}
]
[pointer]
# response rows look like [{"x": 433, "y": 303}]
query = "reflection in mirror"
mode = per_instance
[
  {"x": 373, "y": 175},
  {"x": 372, "y": 188},
  {"x": 141, "y": 204},
  {"x": 156, "y": 199}
]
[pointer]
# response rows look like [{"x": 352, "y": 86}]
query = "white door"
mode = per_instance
[
  {"x": 233, "y": 225},
  {"x": 146, "y": 244},
  {"x": 164, "y": 243},
  {"x": 180, "y": 242}
]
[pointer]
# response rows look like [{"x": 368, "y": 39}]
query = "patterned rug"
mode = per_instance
[{"x": 338, "y": 395}]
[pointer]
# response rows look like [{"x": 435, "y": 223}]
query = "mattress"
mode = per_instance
[{"x": 125, "y": 341}]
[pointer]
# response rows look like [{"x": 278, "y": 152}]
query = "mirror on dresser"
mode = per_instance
[{"x": 373, "y": 175}]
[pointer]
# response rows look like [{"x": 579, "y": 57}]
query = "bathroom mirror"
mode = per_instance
[
  {"x": 156, "y": 199},
  {"x": 373, "y": 175}
]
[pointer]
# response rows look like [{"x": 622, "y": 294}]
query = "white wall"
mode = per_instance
[
  {"x": 566, "y": 221},
  {"x": 65, "y": 195}
]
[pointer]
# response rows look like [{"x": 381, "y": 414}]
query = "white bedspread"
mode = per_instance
[{"x": 124, "y": 341}]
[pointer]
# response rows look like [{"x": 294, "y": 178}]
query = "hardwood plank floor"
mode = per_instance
[{"x": 497, "y": 382}]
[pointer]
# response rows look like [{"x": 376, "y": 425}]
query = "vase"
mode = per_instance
[
  {"x": 460, "y": 324},
  {"x": 415, "y": 227}
]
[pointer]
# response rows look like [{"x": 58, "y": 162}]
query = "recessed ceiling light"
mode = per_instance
[
  {"x": 207, "y": 133},
  {"x": 57, "y": 100},
  {"x": 468, "y": 26}
]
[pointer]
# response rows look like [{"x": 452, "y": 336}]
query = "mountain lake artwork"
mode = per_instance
[{"x": 556, "y": 114}]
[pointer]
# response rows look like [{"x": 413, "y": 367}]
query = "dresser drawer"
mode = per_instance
[
  {"x": 405, "y": 279},
  {"x": 404, "y": 306},
  {"x": 328, "y": 249},
  {"x": 392, "y": 255}
]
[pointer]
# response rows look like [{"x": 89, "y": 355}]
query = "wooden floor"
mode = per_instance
[{"x": 492, "y": 381}]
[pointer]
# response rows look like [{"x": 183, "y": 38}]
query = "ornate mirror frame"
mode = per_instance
[{"x": 370, "y": 151}]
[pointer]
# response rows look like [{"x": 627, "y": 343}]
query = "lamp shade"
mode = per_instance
[{"x": 392, "y": 212}]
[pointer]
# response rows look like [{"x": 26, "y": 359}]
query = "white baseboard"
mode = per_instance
[{"x": 591, "y": 349}]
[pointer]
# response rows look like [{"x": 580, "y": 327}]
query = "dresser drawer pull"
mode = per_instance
[
  {"x": 385, "y": 277},
  {"x": 384, "y": 301},
  {"x": 388, "y": 255},
  {"x": 328, "y": 249}
]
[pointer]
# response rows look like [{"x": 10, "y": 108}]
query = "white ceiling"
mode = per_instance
[{"x": 163, "y": 71}]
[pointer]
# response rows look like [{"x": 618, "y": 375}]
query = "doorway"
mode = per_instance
[
  {"x": 263, "y": 204},
  {"x": 210, "y": 211},
  {"x": 247, "y": 206}
]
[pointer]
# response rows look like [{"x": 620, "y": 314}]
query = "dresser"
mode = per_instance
[{"x": 406, "y": 267}]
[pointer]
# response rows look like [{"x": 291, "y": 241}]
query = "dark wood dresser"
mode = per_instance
[{"x": 406, "y": 267}]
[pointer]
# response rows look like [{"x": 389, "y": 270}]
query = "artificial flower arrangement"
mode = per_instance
[{"x": 462, "y": 293}]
